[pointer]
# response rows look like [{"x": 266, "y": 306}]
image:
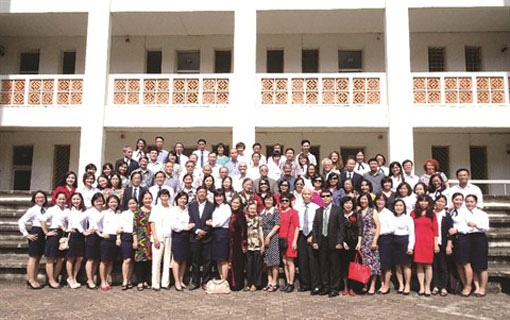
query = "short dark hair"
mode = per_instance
[
  {"x": 305, "y": 141},
  {"x": 382, "y": 156},
  {"x": 240, "y": 145},
  {"x": 159, "y": 137},
  {"x": 97, "y": 195},
  {"x": 256, "y": 144},
  {"x": 217, "y": 193},
  {"x": 407, "y": 161},
  {"x": 372, "y": 160},
  {"x": 386, "y": 179},
  {"x": 460, "y": 170},
  {"x": 64, "y": 179},
  {"x": 201, "y": 188},
  {"x": 86, "y": 175},
  {"x": 90, "y": 166},
  {"x": 135, "y": 173},
  {"x": 472, "y": 196},
  {"x": 180, "y": 195},
  {"x": 201, "y": 140}
]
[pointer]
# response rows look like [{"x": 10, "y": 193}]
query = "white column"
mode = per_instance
[
  {"x": 398, "y": 73},
  {"x": 243, "y": 89},
  {"x": 97, "y": 62}
]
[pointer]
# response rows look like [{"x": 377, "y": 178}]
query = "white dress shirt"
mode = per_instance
[
  {"x": 361, "y": 168},
  {"x": 386, "y": 221},
  {"x": 237, "y": 182},
  {"x": 221, "y": 216},
  {"x": 154, "y": 190},
  {"x": 460, "y": 218},
  {"x": 55, "y": 217},
  {"x": 155, "y": 167},
  {"x": 137, "y": 154},
  {"x": 301, "y": 208},
  {"x": 33, "y": 215},
  {"x": 412, "y": 179},
  {"x": 467, "y": 190},
  {"x": 274, "y": 171},
  {"x": 410, "y": 202},
  {"x": 182, "y": 159},
  {"x": 110, "y": 222},
  {"x": 396, "y": 181},
  {"x": 87, "y": 195},
  {"x": 440, "y": 215},
  {"x": 253, "y": 172},
  {"x": 481, "y": 219},
  {"x": 202, "y": 154},
  {"x": 77, "y": 220},
  {"x": 179, "y": 218},
  {"x": 126, "y": 219},
  {"x": 94, "y": 218},
  {"x": 161, "y": 217},
  {"x": 404, "y": 226}
]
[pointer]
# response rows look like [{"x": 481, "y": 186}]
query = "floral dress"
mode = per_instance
[
  {"x": 370, "y": 257},
  {"x": 272, "y": 252},
  {"x": 142, "y": 230}
]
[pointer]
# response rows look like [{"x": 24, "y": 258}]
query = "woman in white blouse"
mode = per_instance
[
  {"x": 384, "y": 241},
  {"x": 77, "y": 223},
  {"x": 53, "y": 223},
  {"x": 92, "y": 240},
  {"x": 88, "y": 190},
  {"x": 221, "y": 236},
  {"x": 35, "y": 237},
  {"x": 405, "y": 193},
  {"x": 403, "y": 246},
  {"x": 180, "y": 225},
  {"x": 109, "y": 243}
]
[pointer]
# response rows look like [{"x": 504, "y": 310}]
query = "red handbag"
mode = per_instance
[{"x": 358, "y": 271}]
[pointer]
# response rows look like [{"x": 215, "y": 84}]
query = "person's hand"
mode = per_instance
[
  {"x": 51, "y": 234},
  {"x": 294, "y": 246},
  {"x": 267, "y": 241},
  {"x": 135, "y": 245},
  {"x": 245, "y": 249},
  {"x": 452, "y": 231},
  {"x": 410, "y": 252},
  {"x": 106, "y": 236},
  {"x": 436, "y": 248},
  {"x": 201, "y": 233},
  {"x": 358, "y": 246},
  {"x": 209, "y": 222},
  {"x": 309, "y": 240},
  {"x": 449, "y": 250},
  {"x": 339, "y": 246},
  {"x": 262, "y": 248},
  {"x": 373, "y": 246},
  {"x": 315, "y": 246},
  {"x": 117, "y": 242},
  {"x": 472, "y": 224},
  {"x": 189, "y": 226},
  {"x": 156, "y": 243},
  {"x": 346, "y": 246}
]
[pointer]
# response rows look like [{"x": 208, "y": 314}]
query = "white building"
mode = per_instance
[{"x": 409, "y": 79}]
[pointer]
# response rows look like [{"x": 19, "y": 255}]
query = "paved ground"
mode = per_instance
[{"x": 17, "y": 302}]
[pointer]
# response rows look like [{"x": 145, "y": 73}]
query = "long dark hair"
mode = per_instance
[
  {"x": 63, "y": 182},
  {"x": 429, "y": 212},
  {"x": 81, "y": 207},
  {"x": 32, "y": 201},
  {"x": 431, "y": 188}
]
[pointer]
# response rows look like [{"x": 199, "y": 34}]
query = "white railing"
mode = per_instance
[
  {"x": 169, "y": 89},
  {"x": 461, "y": 87},
  {"x": 322, "y": 88},
  {"x": 41, "y": 89},
  {"x": 492, "y": 185}
]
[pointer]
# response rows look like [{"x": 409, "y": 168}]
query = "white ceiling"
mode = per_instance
[{"x": 41, "y": 25}]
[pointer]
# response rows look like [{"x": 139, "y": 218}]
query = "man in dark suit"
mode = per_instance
[
  {"x": 133, "y": 191},
  {"x": 349, "y": 173},
  {"x": 127, "y": 152},
  {"x": 201, "y": 239},
  {"x": 327, "y": 238}
]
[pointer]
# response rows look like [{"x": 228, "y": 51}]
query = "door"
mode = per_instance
[
  {"x": 22, "y": 157},
  {"x": 479, "y": 170}
]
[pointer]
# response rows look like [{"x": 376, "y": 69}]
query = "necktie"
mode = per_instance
[
  {"x": 325, "y": 221},
  {"x": 135, "y": 193},
  {"x": 157, "y": 197},
  {"x": 43, "y": 211},
  {"x": 202, "y": 158},
  {"x": 360, "y": 166},
  {"x": 178, "y": 159},
  {"x": 306, "y": 229},
  {"x": 349, "y": 175}
]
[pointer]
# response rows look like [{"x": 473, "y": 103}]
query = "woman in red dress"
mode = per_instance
[
  {"x": 68, "y": 186},
  {"x": 289, "y": 230},
  {"x": 426, "y": 233}
]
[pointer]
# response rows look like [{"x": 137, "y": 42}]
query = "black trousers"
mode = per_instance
[
  {"x": 254, "y": 265},
  {"x": 329, "y": 261},
  {"x": 440, "y": 269},
  {"x": 308, "y": 261},
  {"x": 201, "y": 257},
  {"x": 143, "y": 271}
]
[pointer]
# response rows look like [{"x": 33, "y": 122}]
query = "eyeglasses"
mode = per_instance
[
  {"x": 263, "y": 184},
  {"x": 333, "y": 178},
  {"x": 317, "y": 181},
  {"x": 325, "y": 196},
  {"x": 284, "y": 200}
]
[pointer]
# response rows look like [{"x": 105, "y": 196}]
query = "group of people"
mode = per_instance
[{"x": 161, "y": 212}]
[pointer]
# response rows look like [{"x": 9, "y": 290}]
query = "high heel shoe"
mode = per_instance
[
  {"x": 52, "y": 287},
  {"x": 30, "y": 286}
]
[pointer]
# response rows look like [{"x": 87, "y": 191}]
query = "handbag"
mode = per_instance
[
  {"x": 358, "y": 271},
  {"x": 63, "y": 243},
  {"x": 217, "y": 286}
]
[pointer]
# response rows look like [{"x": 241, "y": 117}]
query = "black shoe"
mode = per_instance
[
  {"x": 203, "y": 286},
  {"x": 333, "y": 293},
  {"x": 58, "y": 286},
  {"x": 303, "y": 289},
  {"x": 323, "y": 292},
  {"x": 194, "y": 287},
  {"x": 284, "y": 287},
  {"x": 289, "y": 289},
  {"x": 30, "y": 286},
  {"x": 315, "y": 292}
]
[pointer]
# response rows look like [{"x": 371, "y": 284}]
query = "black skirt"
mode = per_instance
[
  {"x": 220, "y": 244},
  {"x": 385, "y": 244},
  {"x": 126, "y": 245},
  {"x": 180, "y": 245},
  {"x": 92, "y": 244},
  {"x": 108, "y": 248},
  {"x": 462, "y": 249},
  {"x": 52, "y": 244},
  {"x": 400, "y": 256},
  {"x": 76, "y": 245},
  {"x": 36, "y": 247},
  {"x": 479, "y": 251}
]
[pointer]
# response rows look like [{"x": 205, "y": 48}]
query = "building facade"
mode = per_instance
[{"x": 409, "y": 79}]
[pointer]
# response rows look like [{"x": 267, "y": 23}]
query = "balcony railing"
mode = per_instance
[
  {"x": 41, "y": 89},
  {"x": 461, "y": 88},
  {"x": 323, "y": 89},
  {"x": 170, "y": 89}
]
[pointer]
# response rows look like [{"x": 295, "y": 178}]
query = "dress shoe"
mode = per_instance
[
  {"x": 315, "y": 292},
  {"x": 284, "y": 287},
  {"x": 290, "y": 288},
  {"x": 323, "y": 292},
  {"x": 194, "y": 287},
  {"x": 303, "y": 289},
  {"x": 332, "y": 294}
]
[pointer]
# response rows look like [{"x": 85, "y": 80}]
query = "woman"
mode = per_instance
[
  {"x": 387, "y": 190},
  {"x": 102, "y": 183},
  {"x": 92, "y": 240},
  {"x": 247, "y": 195},
  {"x": 88, "y": 190},
  {"x": 353, "y": 232},
  {"x": 403, "y": 246},
  {"x": 348, "y": 188},
  {"x": 180, "y": 226},
  {"x": 371, "y": 228},
  {"x": 318, "y": 183},
  {"x": 77, "y": 223},
  {"x": 159, "y": 220},
  {"x": 384, "y": 241},
  {"x": 35, "y": 237},
  {"x": 437, "y": 188},
  {"x": 425, "y": 233},
  {"x": 287, "y": 237},
  {"x": 420, "y": 189},
  {"x": 283, "y": 188},
  {"x": 226, "y": 187},
  {"x": 188, "y": 188},
  {"x": 125, "y": 235},
  {"x": 107, "y": 170},
  {"x": 140, "y": 149},
  {"x": 238, "y": 245},
  {"x": 479, "y": 224},
  {"x": 262, "y": 193},
  {"x": 220, "y": 243},
  {"x": 109, "y": 243},
  {"x": 122, "y": 172},
  {"x": 221, "y": 158},
  {"x": 255, "y": 248},
  {"x": 440, "y": 272},
  {"x": 336, "y": 161},
  {"x": 141, "y": 242},
  {"x": 303, "y": 163},
  {"x": 366, "y": 187},
  {"x": 381, "y": 161},
  {"x": 405, "y": 193},
  {"x": 68, "y": 186},
  {"x": 53, "y": 224},
  {"x": 431, "y": 166},
  {"x": 114, "y": 187},
  {"x": 177, "y": 168},
  {"x": 270, "y": 225},
  {"x": 311, "y": 173},
  {"x": 208, "y": 183},
  {"x": 333, "y": 184},
  {"x": 396, "y": 174},
  {"x": 299, "y": 185}
]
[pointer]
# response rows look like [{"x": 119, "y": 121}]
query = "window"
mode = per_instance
[
  {"x": 436, "y": 59},
  {"x": 350, "y": 152},
  {"x": 442, "y": 155},
  {"x": 473, "y": 58},
  {"x": 478, "y": 161},
  {"x": 153, "y": 61},
  {"x": 69, "y": 62},
  {"x": 222, "y": 61},
  {"x": 274, "y": 61},
  {"x": 29, "y": 63},
  {"x": 349, "y": 61},
  {"x": 61, "y": 158},
  {"x": 22, "y": 157},
  {"x": 310, "y": 61},
  {"x": 188, "y": 62}
]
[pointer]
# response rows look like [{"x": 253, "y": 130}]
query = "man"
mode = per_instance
[
  {"x": 133, "y": 190},
  {"x": 309, "y": 277},
  {"x": 289, "y": 159},
  {"x": 257, "y": 148},
  {"x": 162, "y": 153},
  {"x": 277, "y": 148},
  {"x": 127, "y": 153},
  {"x": 154, "y": 164},
  {"x": 264, "y": 174},
  {"x": 374, "y": 175},
  {"x": 327, "y": 239},
  {"x": 361, "y": 167},
  {"x": 350, "y": 174},
  {"x": 201, "y": 153},
  {"x": 327, "y": 168},
  {"x": 233, "y": 164},
  {"x": 147, "y": 175},
  {"x": 240, "y": 147},
  {"x": 409, "y": 176},
  {"x": 171, "y": 180},
  {"x": 287, "y": 170},
  {"x": 211, "y": 161},
  {"x": 159, "y": 184},
  {"x": 237, "y": 181},
  {"x": 253, "y": 167},
  {"x": 181, "y": 158},
  {"x": 305, "y": 149},
  {"x": 200, "y": 239},
  {"x": 467, "y": 188},
  {"x": 273, "y": 164},
  {"x": 223, "y": 173}
]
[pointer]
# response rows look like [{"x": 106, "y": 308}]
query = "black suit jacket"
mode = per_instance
[
  {"x": 128, "y": 194},
  {"x": 194, "y": 217},
  {"x": 356, "y": 179},
  {"x": 335, "y": 226},
  {"x": 133, "y": 165}
]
